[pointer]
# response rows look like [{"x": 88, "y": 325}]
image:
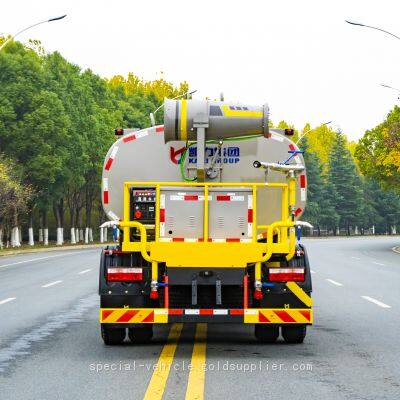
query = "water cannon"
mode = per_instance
[{"x": 220, "y": 119}]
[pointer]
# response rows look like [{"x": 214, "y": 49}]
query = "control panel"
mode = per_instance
[{"x": 143, "y": 205}]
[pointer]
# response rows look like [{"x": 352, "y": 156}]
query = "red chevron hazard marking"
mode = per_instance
[
  {"x": 262, "y": 317},
  {"x": 149, "y": 318},
  {"x": 306, "y": 314},
  {"x": 284, "y": 316},
  {"x": 127, "y": 316},
  {"x": 105, "y": 314}
]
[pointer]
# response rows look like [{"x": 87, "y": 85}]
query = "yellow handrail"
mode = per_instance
[
  {"x": 285, "y": 244},
  {"x": 126, "y": 225}
]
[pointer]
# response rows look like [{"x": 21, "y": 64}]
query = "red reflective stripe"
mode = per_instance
[
  {"x": 245, "y": 291},
  {"x": 306, "y": 314},
  {"x": 250, "y": 215},
  {"x": 105, "y": 197},
  {"x": 284, "y": 316},
  {"x": 160, "y": 128},
  {"x": 206, "y": 311},
  {"x": 162, "y": 215},
  {"x": 175, "y": 311},
  {"x": 291, "y": 147},
  {"x": 262, "y": 317},
  {"x": 188, "y": 197},
  {"x": 223, "y": 198},
  {"x": 236, "y": 311},
  {"x": 293, "y": 277},
  {"x": 302, "y": 181},
  {"x": 105, "y": 314},
  {"x": 129, "y": 138},
  {"x": 298, "y": 211},
  {"x": 108, "y": 164},
  {"x": 233, "y": 239},
  {"x": 127, "y": 316},
  {"x": 149, "y": 318},
  {"x": 178, "y": 239}
]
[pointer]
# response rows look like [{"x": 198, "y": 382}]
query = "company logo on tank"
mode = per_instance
[{"x": 230, "y": 155}]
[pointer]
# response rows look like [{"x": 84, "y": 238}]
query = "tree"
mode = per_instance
[
  {"x": 321, "y": 140},
  {"x": 33, "y": 128},
  {"x": 346, "y": 184},
  {"x": 320, "y": 210},
  {"x": 14, "y": 197},
  {"x": 378, "y": 151}
]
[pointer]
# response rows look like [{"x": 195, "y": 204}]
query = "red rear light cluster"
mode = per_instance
[
  {"x": 286, "y": 274},
  {"x": 123, "y": 274}
]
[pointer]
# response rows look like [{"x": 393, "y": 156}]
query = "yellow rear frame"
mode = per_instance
[{"x": 201, "y": 254}]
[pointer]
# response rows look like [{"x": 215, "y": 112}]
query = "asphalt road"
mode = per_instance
[{"x": 50, "y": 346}]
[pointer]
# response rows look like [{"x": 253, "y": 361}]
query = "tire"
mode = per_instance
[
  {"x": 141, "y": 334},
  {"x": 112, "y": 336},
  {"x": 266, "y": 334},
  {"x": 294, "y": 334}
]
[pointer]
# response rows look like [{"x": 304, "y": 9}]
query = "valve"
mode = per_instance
[
  {"x": 258, "y": 294},
  {"x": 153, "y": 291}
]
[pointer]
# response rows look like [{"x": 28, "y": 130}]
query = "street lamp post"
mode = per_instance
[
  {"x": 372, "y": 27},
  {"x": 382, "y": 30},
  {"x": 391, "y": 87},
  {"x": 29, "y": 27}
]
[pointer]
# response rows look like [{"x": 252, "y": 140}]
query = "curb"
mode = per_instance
[
  {"x": 51, "y": 249},
  {"x": 396, "y": 249}
]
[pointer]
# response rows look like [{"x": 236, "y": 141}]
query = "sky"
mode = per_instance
[{"x": 300, "y": 57}]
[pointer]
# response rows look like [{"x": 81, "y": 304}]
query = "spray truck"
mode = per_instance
[{"x": 208, "y": 206}]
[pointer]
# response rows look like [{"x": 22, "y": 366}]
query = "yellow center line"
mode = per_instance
[
  {"x": 158, "y": 381},
  {"x": 195, "y": 387}
]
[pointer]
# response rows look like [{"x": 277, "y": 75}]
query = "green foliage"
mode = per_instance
[
  {"x": 378, "y": 151},
  {"x": 57, "y": 122},
  {"x": 345, "y": 182},
  {"x": 320, "y": 209},
  {"x": 14, "y": 196}
]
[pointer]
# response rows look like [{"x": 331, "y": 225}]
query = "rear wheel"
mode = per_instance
[
  {"x": 112, "y": 336},
  {"x": 140, "y": 334},
  {"x": 294, "y": 333},
  {"x": 266, "y": 334}
]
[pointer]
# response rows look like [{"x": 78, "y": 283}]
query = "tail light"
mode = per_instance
[
  {"x": 122, "y": 274},
  {"x": 289, "y": 132},
  {"x": 286, "y": 274}
]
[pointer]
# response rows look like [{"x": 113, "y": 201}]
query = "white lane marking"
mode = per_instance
[
  {"x": 334, "y": 282},
  {"x": 42, "y": 258},
  {"x": 312, "y": 271},
  {"x": 377, "y": 302},
  {"x": 51, "y": 284},
  {"x": 376, "y": 263},
  {"x": 84, "y": 271},
  {"x": 356, "y": 258},
  {"x": 7, "y": 300},
  {"x": 396, "y": 249}
]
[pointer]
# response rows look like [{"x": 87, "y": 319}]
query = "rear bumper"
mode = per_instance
[{"x": 273, "y": 316}]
